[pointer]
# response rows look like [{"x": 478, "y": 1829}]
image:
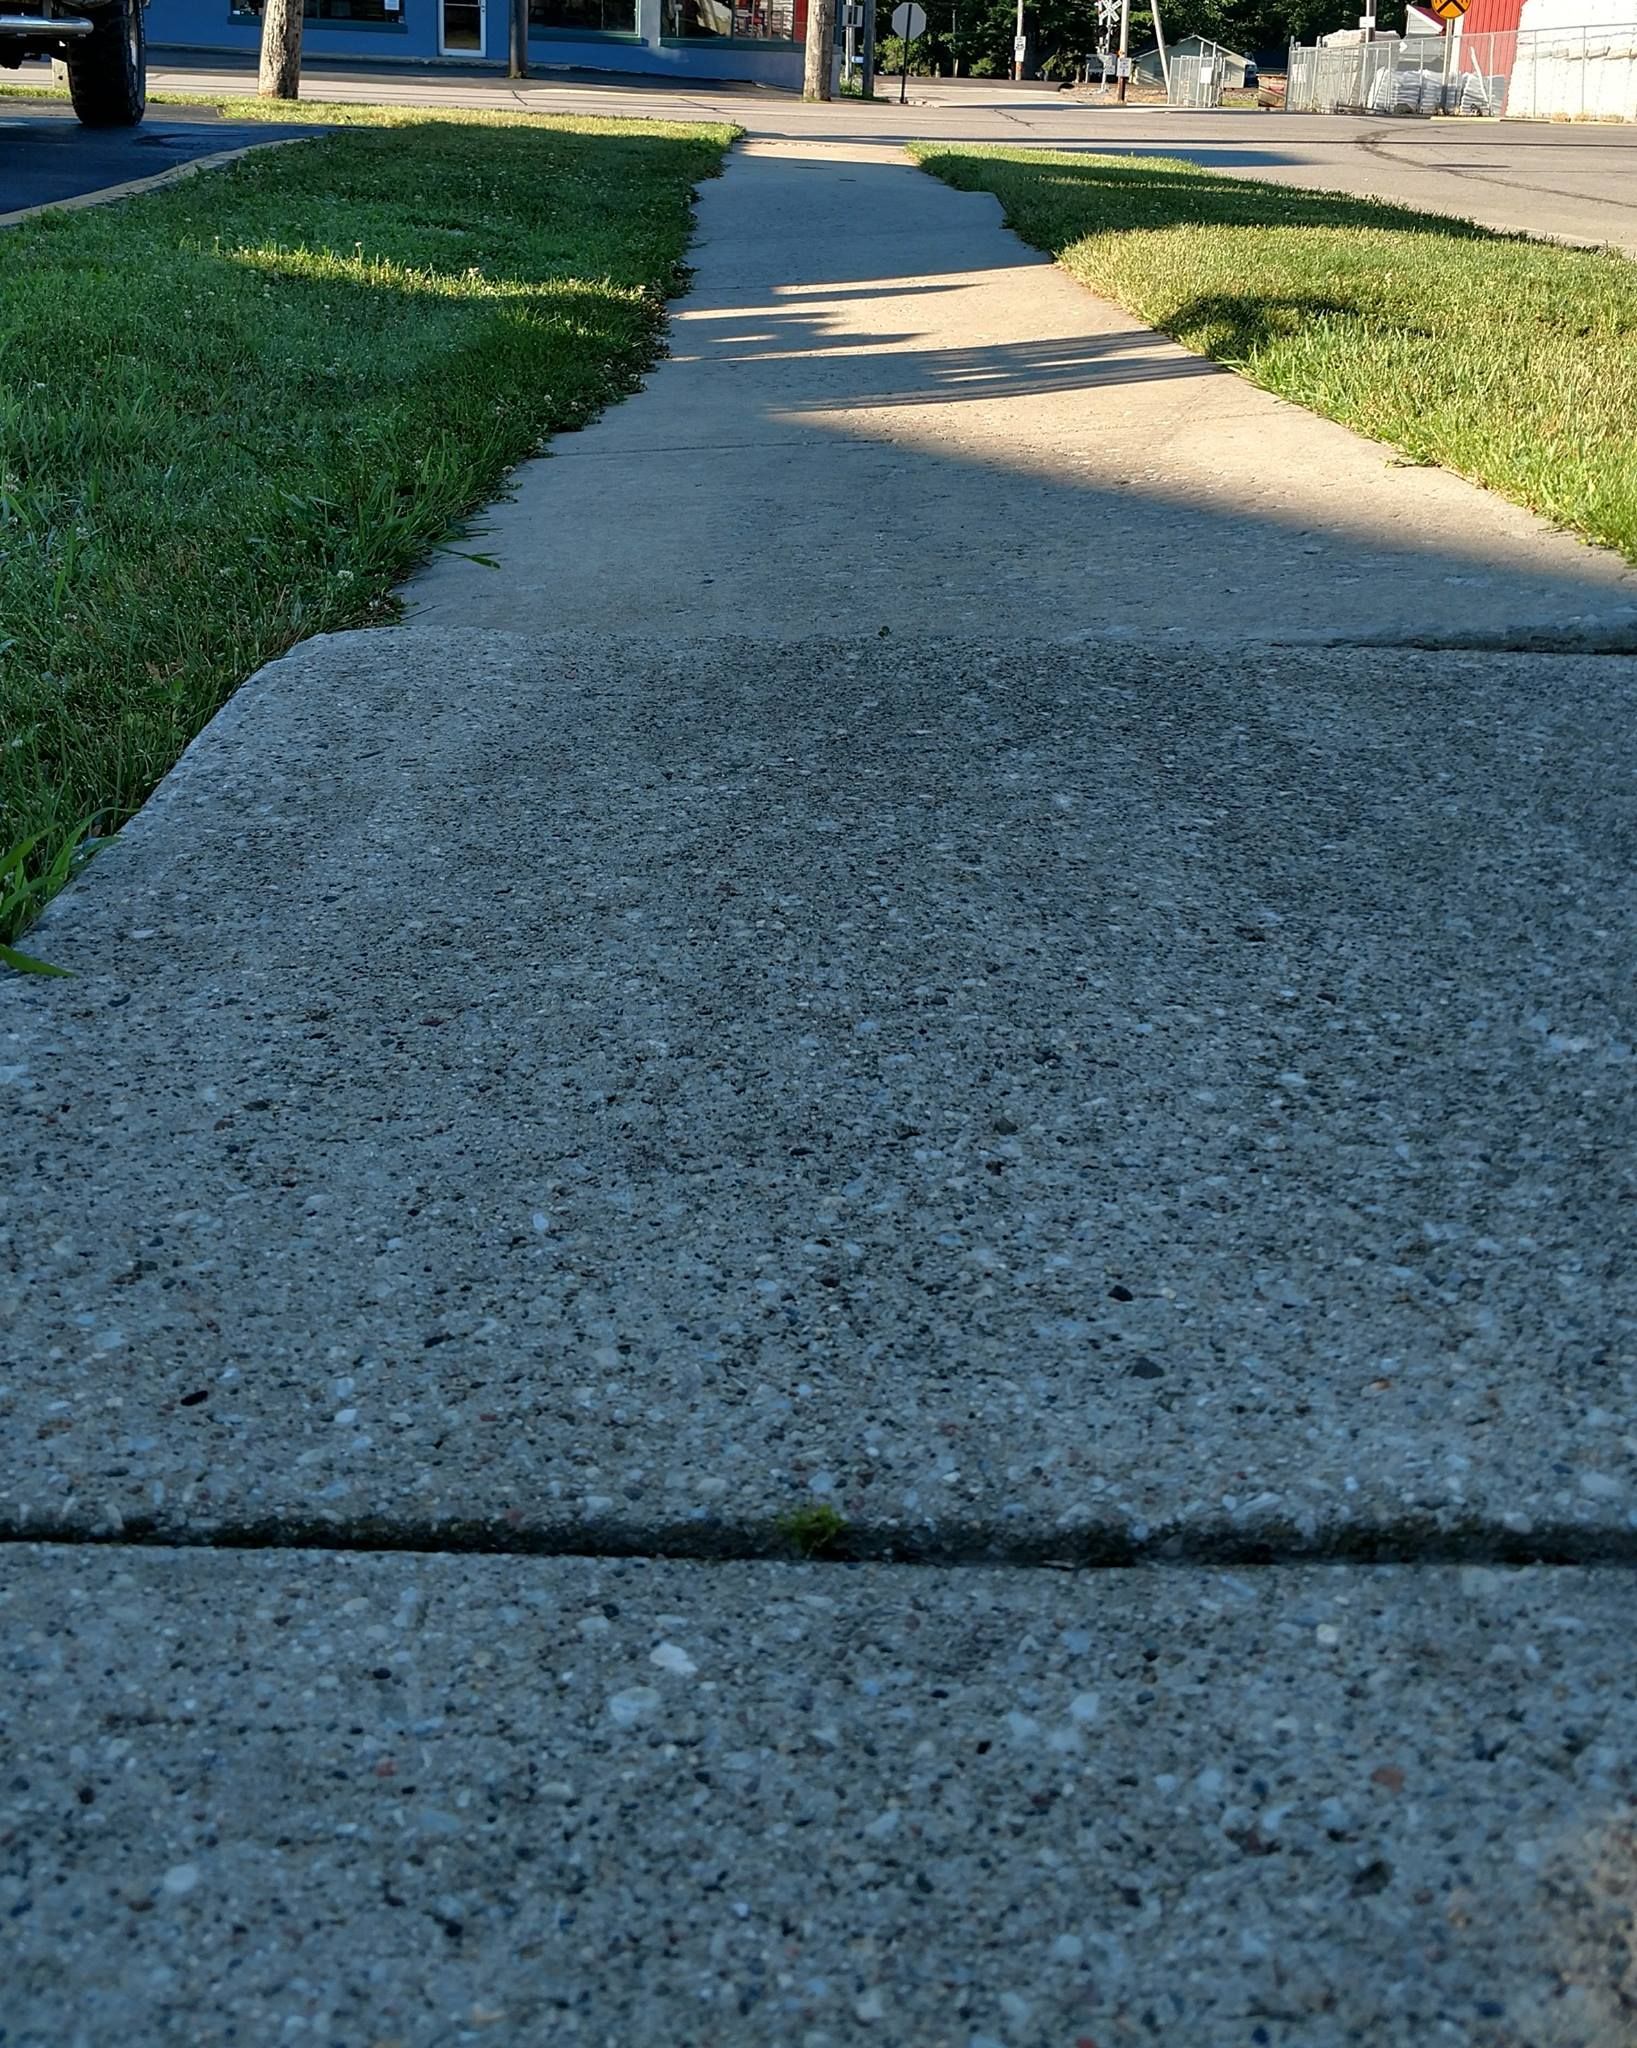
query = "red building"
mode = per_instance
[{"x": 1491, "y": 17}]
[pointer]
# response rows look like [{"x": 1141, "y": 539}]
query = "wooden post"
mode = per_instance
[
  {"x": 821, "y": 36},
  {"x": 280, "y": 50}
]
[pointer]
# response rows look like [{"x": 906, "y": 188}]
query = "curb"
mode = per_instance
[{"x": 133, "y": 186}]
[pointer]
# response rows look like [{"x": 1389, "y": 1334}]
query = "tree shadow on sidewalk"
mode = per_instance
[{"x": 902, "y": 374}]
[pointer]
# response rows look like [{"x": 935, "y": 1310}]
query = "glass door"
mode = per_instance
[{"x": 460, "y": 28}]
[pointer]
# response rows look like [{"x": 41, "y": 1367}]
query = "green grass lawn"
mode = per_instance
[
  {"x": 235, "y": 411},
  {"x": 1513, "y": 362}
]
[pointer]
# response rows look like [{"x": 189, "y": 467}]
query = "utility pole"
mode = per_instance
[
  {"x": 280, "y": 75},
  {"x": 1124, "y": 66},
  {"x": 1020, "y": 43},
  {"x": 866, "y": 66},
  {"x": 821, "y": 36},
  {"x": 518, "y": 57}
]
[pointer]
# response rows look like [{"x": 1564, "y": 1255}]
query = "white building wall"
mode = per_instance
[{"x": 1576, "y": 59}]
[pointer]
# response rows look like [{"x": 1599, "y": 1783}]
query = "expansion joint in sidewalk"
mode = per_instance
[
  {"x": 1618, "y": 640},
  {"x": 815, "y": 1538}
]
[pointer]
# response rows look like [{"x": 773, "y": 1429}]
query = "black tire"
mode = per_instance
[{"x": 108, "y": 69}]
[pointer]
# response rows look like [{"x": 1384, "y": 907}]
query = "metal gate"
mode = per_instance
[
  {"x": 1558, "y": 73},
  {"x": 1198, "y": 80}
]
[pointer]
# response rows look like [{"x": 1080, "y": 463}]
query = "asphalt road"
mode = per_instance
[
  {"x": 46, "y": 157},
  {"x": 1578, "y": 183},
  {"x": 1545, "y": 178}
]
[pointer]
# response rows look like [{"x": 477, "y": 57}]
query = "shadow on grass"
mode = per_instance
[
  {"x": 1054, "y": 202},
  {"x": 1235, "y": 326}
]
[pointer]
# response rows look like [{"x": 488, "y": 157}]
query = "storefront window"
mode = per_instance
[
  {"x": 771, "y": 21},
  {"x": 595, "y": 15},
  {"x": 330, "y": 10}
]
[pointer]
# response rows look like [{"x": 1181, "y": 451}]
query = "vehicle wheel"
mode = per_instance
[{"x": 108, "y": 69}]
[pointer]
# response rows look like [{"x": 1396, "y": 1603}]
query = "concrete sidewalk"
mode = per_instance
[
  {"x": 1120, "y": 1136},
  {"x": 872, "y": 378},
  {"x": 1036, "y": 1101},
  {"x": 437, "y": 1800}
]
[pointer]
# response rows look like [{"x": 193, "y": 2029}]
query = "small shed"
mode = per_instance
[{"x": 1233, "y": 69}]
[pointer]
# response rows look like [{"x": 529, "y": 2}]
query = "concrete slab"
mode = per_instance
[
  {"x": 881, "y": 410},
  {"x": 1036, "y": 1100},
  {"x": 1052, "y": 1100},
  {"x": 425, "y": 1800}
]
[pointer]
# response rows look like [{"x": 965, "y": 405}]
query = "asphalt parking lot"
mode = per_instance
[{"x": 46, "y": 157}]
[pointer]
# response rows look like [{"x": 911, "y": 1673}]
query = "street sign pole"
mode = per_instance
[
  {"x": 908, "y": 24},
  {"x": 1108, "y": 15},
  {"x": 1450, "y": 13}
]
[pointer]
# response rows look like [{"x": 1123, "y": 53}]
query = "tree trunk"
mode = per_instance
[
  {"x": 281, "y": 50},
  {"x": 821, "y": 35}
]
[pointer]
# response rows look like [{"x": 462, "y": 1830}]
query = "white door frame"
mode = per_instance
[{"x": 482, "y": 33}]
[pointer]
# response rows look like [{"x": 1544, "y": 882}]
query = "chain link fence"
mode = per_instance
[{"x": 1542, "y": 74}]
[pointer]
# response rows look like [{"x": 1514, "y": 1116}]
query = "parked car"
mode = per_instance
[{"x": 102, "y": 42}]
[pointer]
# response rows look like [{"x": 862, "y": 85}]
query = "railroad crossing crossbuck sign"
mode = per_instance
[{"x": 1447, "y": 10}]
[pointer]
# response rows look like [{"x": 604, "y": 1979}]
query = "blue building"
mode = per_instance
[{"x": 757, "y": 40}]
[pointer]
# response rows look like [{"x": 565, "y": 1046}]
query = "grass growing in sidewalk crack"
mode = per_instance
[
  {"x": 1513, "y": 362},
  {"x": 242, "y": 407},
  {"x": 815, "y": 1531}
]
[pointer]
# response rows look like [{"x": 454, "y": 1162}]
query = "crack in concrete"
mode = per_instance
[
  {"x": 1617, "y": 639},
  {"x": 1414, "y": 1540}
]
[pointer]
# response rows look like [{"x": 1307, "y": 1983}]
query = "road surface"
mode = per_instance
[
  {"x": 1544, "y": 178},
  {"x": 47, "y": 158}
]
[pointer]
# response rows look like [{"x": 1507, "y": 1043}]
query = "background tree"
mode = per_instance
[{"x": 280, "y": 77}]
